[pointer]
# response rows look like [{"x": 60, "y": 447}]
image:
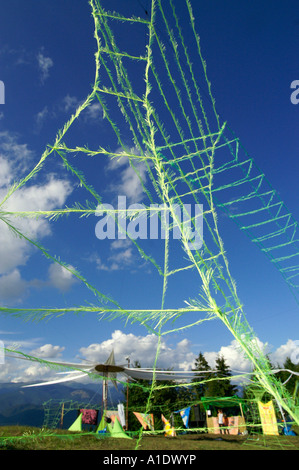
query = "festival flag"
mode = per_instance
[
  {"x": 121, "y": 414},
  {"x": 185, "y": 413},
  {"x": 89, "y": 416},
  {"x": 77, "y": 424},
  {"x": 268, "y": 418},
  {"x": 146, "y": 420},
  {"x": 169, "y": 430}
]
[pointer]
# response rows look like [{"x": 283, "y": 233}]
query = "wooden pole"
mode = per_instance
[
  {"x": 104, "y": 398},
  {"x": 127, "y": 407},
  {"x": 62, "y": 413},
  {"x": 242, "y": 414}
]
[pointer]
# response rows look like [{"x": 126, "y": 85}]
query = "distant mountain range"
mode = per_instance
[{"x": 29, "y": 406}]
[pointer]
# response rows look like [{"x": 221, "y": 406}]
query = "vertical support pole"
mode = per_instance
[
  {"x": 62, "y": 413},
  {"x": 104, "y": 397},
  {"x": 127, "y": 407}
]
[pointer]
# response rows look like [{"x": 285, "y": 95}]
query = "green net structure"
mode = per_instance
[{"x": 157, "y": 96}]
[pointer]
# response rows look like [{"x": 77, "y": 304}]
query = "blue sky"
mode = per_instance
[{"x": 47, "y": 66}]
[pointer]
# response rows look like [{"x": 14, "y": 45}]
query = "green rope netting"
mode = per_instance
[{"x": 161, "y": 101}]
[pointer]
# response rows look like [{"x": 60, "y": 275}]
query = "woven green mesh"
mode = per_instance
[{"x": 160, "y": 100}]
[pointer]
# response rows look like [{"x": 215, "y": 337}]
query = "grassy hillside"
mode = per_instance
[{"x": 29, "y": 438}]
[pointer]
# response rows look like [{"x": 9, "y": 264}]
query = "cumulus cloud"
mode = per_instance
[
  {"x": 15, "y": 157},
  {"x": 60, "y": 277},
  {"x": 179, "y": 355},
  {"x": 140, "y": 348},
  {"x": 15, "y": 370},
  {"x": 15, "y": 161},
  {"x": 31, "y": 373},
  {"x": 15, "y": 251},
  {"x": 143, "y": 349},
  {"x": 12, "y": 286},
  {"x": 48, "y": 351},
  {"x": 290, "y": 349},
  {"x": 233, "y": 355}
]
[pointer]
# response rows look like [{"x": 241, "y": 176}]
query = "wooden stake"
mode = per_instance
[{"x": 62, "y": 413}]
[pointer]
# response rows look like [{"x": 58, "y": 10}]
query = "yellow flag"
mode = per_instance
[
  {"x": 169, "y": 430},
  {"x": 268, "y": 418}
]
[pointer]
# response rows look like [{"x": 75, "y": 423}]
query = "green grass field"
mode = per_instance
[{"x": 29, "y": 438}]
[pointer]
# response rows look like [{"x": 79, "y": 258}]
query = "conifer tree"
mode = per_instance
[
  {"x": 285, "y": 375},
  {"x": 221, "y": 386},
  {"x": 201, "y": 364}
]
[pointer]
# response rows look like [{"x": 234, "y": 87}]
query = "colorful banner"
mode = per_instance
[
  {"x": 268, "y": 418},
  {"x": 121, "y": 414},
  {"x": 169, "y": 430},
  {"x": 89, "y": 416},
  {"x": 185, "y": 413},
  {"x": 146, "y": 420}
]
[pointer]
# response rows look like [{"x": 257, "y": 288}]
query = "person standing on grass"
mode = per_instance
[{"x": 220, "y": 420}]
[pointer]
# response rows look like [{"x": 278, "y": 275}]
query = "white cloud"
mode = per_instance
[
  {"x": 122, "y": 259},
  {"x": 4, "y": 172},
  {"x": 15, "y": 161},
  {"x": 44, "y": 65},
  {"x": 234, "y": 356},
  {"x": 14, "y": 155},
  {"x": 40, "y": 118},
  {"x": 60, "y": 277},
  {"x": 127, "y": 181},
  {"x": 15, "y": 251},
  {"x": 48, "y": 351},
  {"x": 290, "y": 349},
  {"x": 18, "y": 370},
  {"x": 140, "y": 348},
  {"x": 121, "y": 256},
  {"x": 92, "y": 113},
  {"x": 120, "y": 244},
  {"x": 70, "y": 103},
  {"x": 178, "y": 356},
  {"x": 12, "y": 286},
  {"x": 31, "y": 374}
]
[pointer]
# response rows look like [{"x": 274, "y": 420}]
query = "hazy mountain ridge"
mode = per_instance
[{"x": 25, "y": 406}]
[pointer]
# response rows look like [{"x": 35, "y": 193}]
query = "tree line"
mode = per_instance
[{"x": 168, "y": 397}]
